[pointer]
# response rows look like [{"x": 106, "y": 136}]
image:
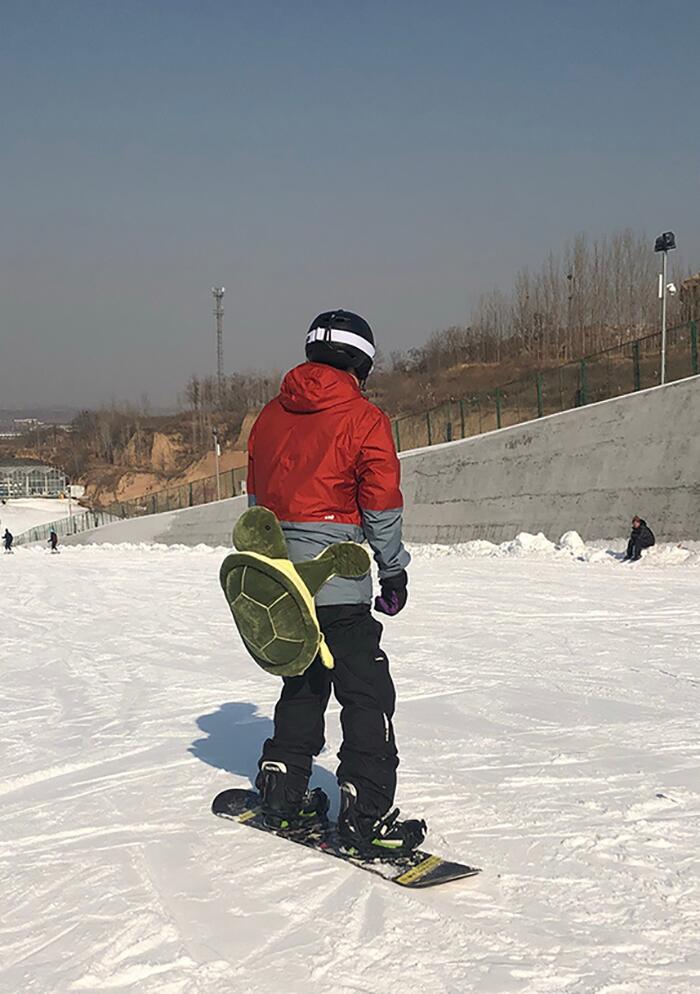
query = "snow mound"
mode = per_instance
[
  {"x": 572, "y": 542},
  {"x": 525, "y": 544}
]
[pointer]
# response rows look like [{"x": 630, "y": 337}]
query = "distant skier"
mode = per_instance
[
  {"x": 322, "y": 458},
  {"x": 53, "y": 540},
  {"x": 7, "y": 540},
  {"x": 642, "y": 537}
]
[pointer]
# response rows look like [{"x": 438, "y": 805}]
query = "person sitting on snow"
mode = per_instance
[{"x": 642, "y": 537}]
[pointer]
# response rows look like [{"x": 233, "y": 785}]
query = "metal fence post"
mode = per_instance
[
  {"x": 694, "y": 347},
  {"x": 583, "y": 383},
  {"x": 637, "y": 369},
  {"x": 430, "y": 432},
  {"x": 540, "y": 409},
  {"x": 498, "y": 407},
  {"x": 461, "y": 416},
  {"x": 398, "y": 437},
  {"x": 448, "y": 432}
]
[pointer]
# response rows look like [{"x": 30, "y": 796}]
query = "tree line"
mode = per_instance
[
  {"x": 223, "y": 404},
  {"x": 594, "y": 294}
]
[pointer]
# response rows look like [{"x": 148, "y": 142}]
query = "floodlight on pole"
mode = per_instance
[{"x": 664, "y": 244}]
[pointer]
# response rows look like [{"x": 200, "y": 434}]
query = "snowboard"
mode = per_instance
[{"x": 417, "y": 869}]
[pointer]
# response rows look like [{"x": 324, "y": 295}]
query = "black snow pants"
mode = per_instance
[
  {"x": 635, "y": 546},
  {"x": 365, "y": 691}
]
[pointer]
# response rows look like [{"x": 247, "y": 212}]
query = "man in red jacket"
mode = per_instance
[{"x": 322, "y": 457}]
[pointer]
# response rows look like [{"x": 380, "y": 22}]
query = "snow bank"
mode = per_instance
[
  {"x": 569, "y": 547},
  {"x": 126, "y": 550}
]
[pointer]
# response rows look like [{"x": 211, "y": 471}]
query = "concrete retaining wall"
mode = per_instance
[
  {"x": 590, "y": 469},
  {"x": 210, "y": 524}
]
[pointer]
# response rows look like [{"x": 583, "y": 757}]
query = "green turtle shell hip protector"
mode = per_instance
[{"x": 272, "y": 598}]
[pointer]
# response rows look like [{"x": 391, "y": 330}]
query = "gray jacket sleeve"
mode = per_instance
[{"x": 382, "y": 530}]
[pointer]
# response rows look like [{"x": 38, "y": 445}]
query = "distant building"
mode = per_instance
[{"x": 23, "y": 478}]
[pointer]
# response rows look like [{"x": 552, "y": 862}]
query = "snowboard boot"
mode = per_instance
[
  {"x": 285, "y": 807},
  {"x": 376, "y": 838}
]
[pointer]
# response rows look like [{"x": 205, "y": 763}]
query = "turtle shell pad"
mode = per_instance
[{"x": 270, "y": 614}]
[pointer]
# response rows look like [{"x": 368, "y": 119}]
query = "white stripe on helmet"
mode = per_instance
[{"x": 342, "y": 338}]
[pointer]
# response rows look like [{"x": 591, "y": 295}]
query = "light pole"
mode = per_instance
[
  {"x": 664, "y": 243},
  {"x": 217, "y": 453}
]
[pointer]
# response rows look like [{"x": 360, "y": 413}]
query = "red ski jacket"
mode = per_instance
[{"x": 322, "y": 457}]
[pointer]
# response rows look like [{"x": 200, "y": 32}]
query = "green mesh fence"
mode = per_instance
[
  {"x": 620, "y": 370},
  {"x": 204, "y": 491},
  {"x": 71, "y": 525}
]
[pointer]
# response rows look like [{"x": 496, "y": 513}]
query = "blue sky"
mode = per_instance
[{"x": 394, "y": 158}]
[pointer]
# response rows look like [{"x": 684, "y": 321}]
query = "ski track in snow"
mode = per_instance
[{"x": 547, "y": 724}]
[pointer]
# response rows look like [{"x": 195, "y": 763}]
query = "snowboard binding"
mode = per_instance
[
  {"x": 376, "y": 838},
  {"x": 284, "y": 809}
]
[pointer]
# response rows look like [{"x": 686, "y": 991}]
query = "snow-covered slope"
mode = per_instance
[
  {"x": 548, "y": 732},
  {"x": 23, "y": 513}
]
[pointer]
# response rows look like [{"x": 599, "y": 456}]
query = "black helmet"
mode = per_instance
[{"x": 341, "y": 339}]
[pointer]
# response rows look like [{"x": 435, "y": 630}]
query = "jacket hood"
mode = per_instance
[{"x": 313, "y": 386}]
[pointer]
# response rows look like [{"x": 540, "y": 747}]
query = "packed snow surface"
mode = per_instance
[
  {"x": 21, "y": 514},
  {"x": 547, "y": 722}
]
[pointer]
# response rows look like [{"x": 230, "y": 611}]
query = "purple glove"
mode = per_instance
[{"x": 394, "y": 594}]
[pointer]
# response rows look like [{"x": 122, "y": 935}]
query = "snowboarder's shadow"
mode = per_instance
[{"x": 235, "y": 735}]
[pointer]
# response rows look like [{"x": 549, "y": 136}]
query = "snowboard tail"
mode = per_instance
[{"x": 417, "y": 869}]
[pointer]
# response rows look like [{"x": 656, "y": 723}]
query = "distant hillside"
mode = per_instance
[{"x": 123, "y": 453}]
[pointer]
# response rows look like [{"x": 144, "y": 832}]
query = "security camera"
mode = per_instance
[{"x": 672, "y": 288}]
